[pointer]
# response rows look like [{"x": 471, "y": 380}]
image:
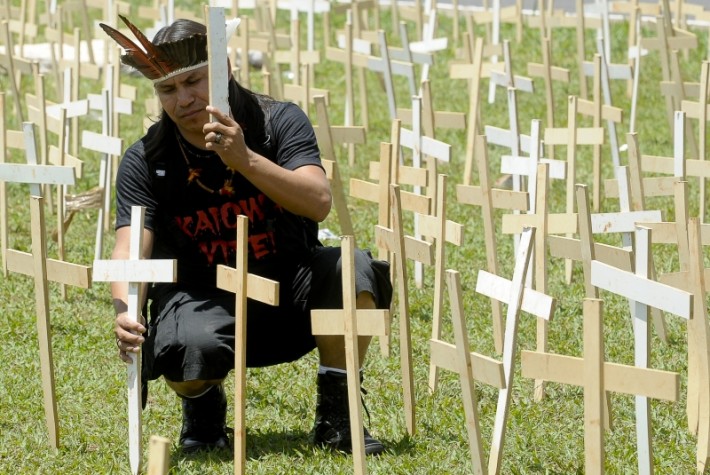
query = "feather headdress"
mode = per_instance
[{"x": 162, "y": 61}]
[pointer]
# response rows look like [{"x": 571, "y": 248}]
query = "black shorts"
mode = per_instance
[{"x": 191, "y": 331}]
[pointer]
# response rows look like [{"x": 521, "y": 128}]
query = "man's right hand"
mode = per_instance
[{"x": 129, "y": 335}]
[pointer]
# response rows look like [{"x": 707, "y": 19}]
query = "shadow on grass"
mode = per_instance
[{"x": 295, "y": 444}]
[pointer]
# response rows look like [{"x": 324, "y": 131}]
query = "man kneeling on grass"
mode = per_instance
[{"x": 194, "y": 177}]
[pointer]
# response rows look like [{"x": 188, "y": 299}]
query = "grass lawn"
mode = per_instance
[{"x": 544, "y": 437}]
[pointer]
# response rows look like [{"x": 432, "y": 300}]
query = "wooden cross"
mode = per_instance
[
  {"x": 598, "y": 111},
  {"x": 700, "y": 110},
  {"x": 393, "y": 239},
  {"x": 422, "y": 146},
  {"x": 642, "y": 165},
  {"x": 37, "y": 265},
  {"x": 135, "y": 271},
  {"x": 607, "y": 71},
  {"x": 352, "y": 323},
  {"x": 518, "y": 298},
  {"x": 580, "y": 21},
  {"x": 505, "y": 77},
  {"x": 473, "y": 74},
  {"x": 571, "y": 136},
  {"x": 15, "y": 65},
  {"x": 596, "y": 375},
  {"x": 301, "y": 62},
  {"x": 549, "y": 73},
  {"x": 539, "y": 218},
  {"x": 642, "y": 294},
  {"x": 303, "y": 93},
  {"x": 433, "y": 119},
  {"x": 388, "y": 171},
  {"x": 244, "y": 285},
  {"x": 693, "y": 278},
  {"x": 511, "y": 138},
  {"x": 390, "y": 67},
  {"x": 327, "y": 136},
  {"x": 490, "y": 198},
  {"x": 441, "y": 230},
  {"x": 669, "y": 39},
  {"x": 350, "y": 58},
  {"x": 525, "y": 169},
  {"x": 108, "y": 147}
]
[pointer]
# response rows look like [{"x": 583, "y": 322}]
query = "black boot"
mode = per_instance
[
  {"x": 332, "y": 426},
  {"x": 204, "y": 421}
]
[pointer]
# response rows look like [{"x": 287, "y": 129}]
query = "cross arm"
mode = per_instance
[
  {"x": 258, "y": 288},
  {"x": 653, "y": 383},
  {"x": 57, "y": 271},
  {"x": 498, "y": 288},
  {"x": 484, "y": 369}
]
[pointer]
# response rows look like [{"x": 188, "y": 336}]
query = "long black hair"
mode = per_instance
[{"x": 249, "y": 109}]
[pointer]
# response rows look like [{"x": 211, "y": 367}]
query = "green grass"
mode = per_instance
[{"x": 544, "y": 437}]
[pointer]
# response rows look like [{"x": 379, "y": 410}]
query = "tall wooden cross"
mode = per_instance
[
  {"x": 571, "y": 136},
  {"x": 598, "y": 110},
  {"x": 108, "y": 146},
  {"x": 328, "y": 135},
  {"x": 135, "y": 271},
  {"x": 402, "y": 247},
  {"x": 37, "y": 265},
  {"x": 244, "y": 285},
  {"x": 549, "y": 73},
  {"x": 597, "y": 376},
  {"x": 442, "y": 231},
  {"x": 352, "y": 323}
]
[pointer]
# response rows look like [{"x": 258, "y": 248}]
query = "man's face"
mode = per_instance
[{"x": 184, "y": 98}]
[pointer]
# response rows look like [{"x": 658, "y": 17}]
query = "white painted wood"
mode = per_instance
[
  {"x": 95, "y": 102},
  {"x": 514, "y": 300},
  {"x": 429, "y": 146},
  {"x": 101, "y": 143},
  {"x": 652, "y": 293},
  {"x": 160, "y": 271},
  {"x": 218, "y": 67},
  {"x": 623, "y": 222},
  {"x": 526, "y": 166},
  {"x": 151, "y": 270},
  {"x": 37, "y": 174},
  {"x": 499, "y": 288}
]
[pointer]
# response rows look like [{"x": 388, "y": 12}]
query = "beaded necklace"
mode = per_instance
[{"x": 194, "y": 173}]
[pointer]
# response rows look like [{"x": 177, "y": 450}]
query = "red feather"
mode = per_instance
[
  {"x": 153, "y": 53},
  {"x": 135, "y": 56}
]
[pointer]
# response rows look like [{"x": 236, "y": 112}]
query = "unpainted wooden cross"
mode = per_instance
[
  {"x": 571, "y": 136},
  {"x": 389, "y": 171},
  {"x": 108, "y": 147},
  {"x": 549, "y": 73},
  {"x": 136, "y": 271},
  {"x": 352, "y": 323},
  {"x": 37, "y": 265},
  {"x": 441, "y": 230},
  {"x": 401, "y": 247},
  {"x": 244, "y": 285},
  {"x": 597, "y": 376},
  {"x": 328, "y": 135}
]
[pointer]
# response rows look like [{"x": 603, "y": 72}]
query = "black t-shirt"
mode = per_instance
[{"x": 192, "y": 201}]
